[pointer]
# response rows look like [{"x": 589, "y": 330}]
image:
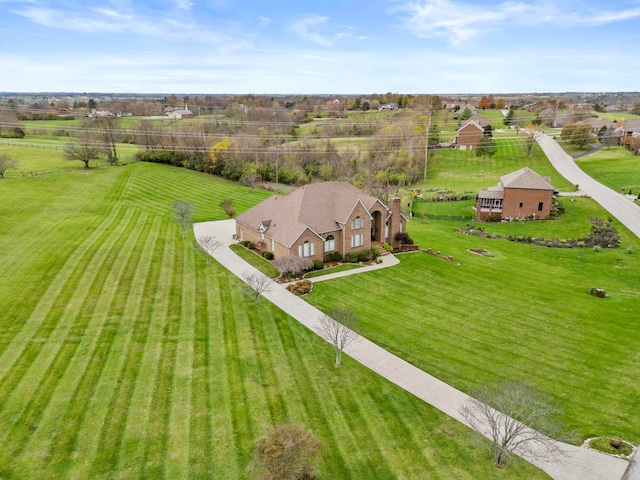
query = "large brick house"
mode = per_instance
[
  {"x": 321, "y": 218},
  {"x": 520, "y": 194}
]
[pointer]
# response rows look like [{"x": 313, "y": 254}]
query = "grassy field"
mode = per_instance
[
  {"x": 617, "y": 168},
  {"x": 124, "y": 356},
  {"x": 463, "y": 171}
]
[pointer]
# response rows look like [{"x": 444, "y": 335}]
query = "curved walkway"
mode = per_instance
[
  {"x": 619, "y": 206},
  {"x": 573, "y": 463}
]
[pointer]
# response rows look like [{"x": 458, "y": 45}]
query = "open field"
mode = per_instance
[
  {"x": 124, "y": 356},
  {"x": 617, "y": 168}
]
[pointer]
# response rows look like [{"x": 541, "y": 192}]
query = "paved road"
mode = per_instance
[
  {"x": 573, "y": 464},
  {"x": 625, "y": 210}
]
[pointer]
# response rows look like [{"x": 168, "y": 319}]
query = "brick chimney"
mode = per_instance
[{"x": 394, "y": 221}]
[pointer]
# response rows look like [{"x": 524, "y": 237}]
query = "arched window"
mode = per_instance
[{"x": 330, "y": 243}]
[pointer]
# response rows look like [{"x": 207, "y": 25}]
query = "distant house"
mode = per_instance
[
  {"x": 520, "y": 194},
  {"x": 479, "y": 119},
  {"x": 468, "y": 136},
  {"x": 596, "y": 124},
  {"x": 627, "y": 131},
  {"x": 179, "y": 113},
  {"x": 321, "y": 218}
]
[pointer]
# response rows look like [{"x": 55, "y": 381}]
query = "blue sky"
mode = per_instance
[{"x": 309, "y": 46}]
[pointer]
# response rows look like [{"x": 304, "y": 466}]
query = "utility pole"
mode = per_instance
[{"x": 426, "y": 147}]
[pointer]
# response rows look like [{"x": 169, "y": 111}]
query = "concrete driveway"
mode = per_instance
[{"x": 619, "y": 206}]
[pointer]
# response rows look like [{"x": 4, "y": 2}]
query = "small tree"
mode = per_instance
[
  {"x": 83, "y": 150},
  {"x": 227, "y": 206},
  {"x": 515, "y": 417},
  {"x": 292, "y": 264},
  {"x": 183, "y": 212},
  {"x": 6, "y": 163},
  {"x": 532, "y": 134},
  {"x": 287, "y": 452},
  {"x": 486, "y": 147},
  {"x": 258, "y": 282},
  {"x": 577, "y": 134},
  {"x": 337, "y": 328},
  {"x": 208, "y": 244}
]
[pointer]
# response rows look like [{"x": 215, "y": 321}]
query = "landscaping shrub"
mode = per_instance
[
  {"x": 364, "y": 256},
  {"x": 598, "y": 292},
  {"x": 247, "y": 244},
  {"x": 351, "y": 257},
  {"x": 14, "y": 132},
  {"x": 268, "y": 255},
  {"x": 492, "y": 218},
  {"x": 318, "y": 264},
  {"x": 300, "y": 288},
  {"x": 334, "y": 257},
  {"x": 387, "y": 247},
  {"x": 404, "y": 238}
]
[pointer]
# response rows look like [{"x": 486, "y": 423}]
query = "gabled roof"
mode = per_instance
[
  {"x": 526, "y": 178},
  {"x": 471, "y": 123},
  {"x": 632, "y": 125},
  {"x": 479, "y": 119},
  {"x": 321, "y": 207}
]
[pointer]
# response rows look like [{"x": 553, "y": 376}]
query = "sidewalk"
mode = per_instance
[{"x": 574, "y": 463}]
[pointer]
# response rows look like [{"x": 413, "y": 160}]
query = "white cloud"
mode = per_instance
[
  {"x": 308, "y": 27},
  {"x": 458, "y": 21},
  {"x": 264, "y": 21},
  {"x": 184, "y": 4}
]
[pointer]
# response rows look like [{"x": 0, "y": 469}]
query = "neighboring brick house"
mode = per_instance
[
  {"x": 468, "y": 136},
  {"x": 520, "y": 194},
  {"x": 629, "y": 128},
  {"x": 479, "y": 119},
  {"x": 321, "y": 218}
]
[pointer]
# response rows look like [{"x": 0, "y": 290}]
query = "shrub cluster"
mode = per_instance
[
  {"x": 268, "y": 255},
  {"x": 247, "y": 244},
  {"x": 404, "y": 238},
  {"x": 363, "y": 256},
  {"x": 318, "y": 264},
  {"x": 12, "y": 133},
  {"x": 334, "y": 257},
  {"x": 387, "y": 247},
  {"x": 300, "y": 288}
]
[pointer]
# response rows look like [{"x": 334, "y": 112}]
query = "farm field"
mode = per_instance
[{"x": 124, "y": 356}]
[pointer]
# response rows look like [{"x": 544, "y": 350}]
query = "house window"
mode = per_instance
[
  {"x": 400, "y": 226},
  {"x": 273, "y": 246},
  {"x": 306, "y": 249},
  {"x": 357, "y": 240},
  {"x": 386, "y": 230},
  {"x": 494, "y": 204},
  {"x": 540, "y": 205},
  {"x": 357, "y": 222},
  {"x": 330, "y": 243},
  {"x": 520, "y": 204}
]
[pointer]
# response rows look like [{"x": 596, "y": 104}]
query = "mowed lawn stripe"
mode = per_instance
[
  {"x": 180, "y": 416},
  {"x": 170, "y": 287},
  {"x": 65, "y": 411},
  {"x": 53, "y": 301},
  {"x": 30, "y": 394},
  {"x": 225, "y": 462},
  {"x": 153, "y": 309}
]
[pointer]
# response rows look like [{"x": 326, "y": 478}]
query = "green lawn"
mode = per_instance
[
  {"x": 616, "y": 167},
  {"x": 256, "y": 261},
  {"x": 327, "y": 271},
  {"x": 463, "y": 171},
  {"x": 124, "y": 356},
  {"x": 524, "y": 313}
]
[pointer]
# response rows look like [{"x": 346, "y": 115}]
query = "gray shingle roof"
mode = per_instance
[
  {"x": 322, "y": 207},
  {"x": 527, "y": 179}
]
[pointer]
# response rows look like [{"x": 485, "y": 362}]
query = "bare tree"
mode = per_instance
[
  {"x": 208, "y": 245},
  {"x": 183, "y": 212},
  {"x": 532, "y": 133},
  {"x": 106, "y": 131},
  {"x": 337, "y": 328},
  {"x": 292, "y": 264},
  {"x": 6, "y": 163},
  {"x": 287, "y": 452},
  {"x": 259, "y": 282},
  {"x": 82, "y": 149},
  {"x": 515, "y": 417}
]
